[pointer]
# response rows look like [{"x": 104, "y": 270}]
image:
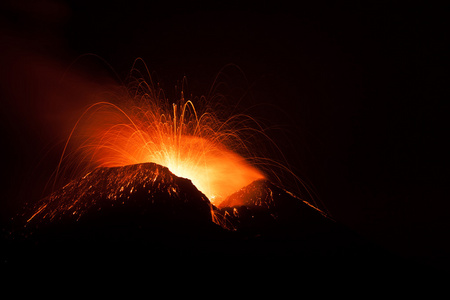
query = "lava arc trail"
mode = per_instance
[{"x": 148, "y": 128}]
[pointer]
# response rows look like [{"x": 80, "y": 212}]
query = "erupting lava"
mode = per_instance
[{"x": 147, "y": 128}]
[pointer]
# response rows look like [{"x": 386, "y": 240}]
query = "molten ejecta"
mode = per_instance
[{"x": 197, "y": 147}]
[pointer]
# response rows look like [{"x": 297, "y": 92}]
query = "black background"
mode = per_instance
[{"x": 359, "y": 92}]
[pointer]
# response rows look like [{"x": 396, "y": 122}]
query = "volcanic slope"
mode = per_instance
[
  {"x": 281, "y": 223},
  {"x": 134, "y": 212},
  {"x": 144, "y": 212},
  {"x": 146, "y": 188},
  {"x": 262, "y": 207},
  {"x": 279, "y": 228}
]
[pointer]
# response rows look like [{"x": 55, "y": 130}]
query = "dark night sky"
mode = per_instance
[{"x": 359, "y": 89}]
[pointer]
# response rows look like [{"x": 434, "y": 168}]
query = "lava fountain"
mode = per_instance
[{"x": 146, "y": 127}]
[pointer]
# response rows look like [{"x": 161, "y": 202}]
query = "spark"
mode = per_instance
[{"x": 146, "y": 127}]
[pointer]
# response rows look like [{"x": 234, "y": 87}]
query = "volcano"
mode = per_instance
[
  {"x": 146, "y": 189},
  {"x": 144, "y": 212}
]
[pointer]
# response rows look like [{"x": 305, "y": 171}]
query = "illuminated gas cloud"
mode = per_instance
[{"x": 148, "y": 128}]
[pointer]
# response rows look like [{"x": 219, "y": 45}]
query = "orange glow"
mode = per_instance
[{"x": 148, "y": 129}]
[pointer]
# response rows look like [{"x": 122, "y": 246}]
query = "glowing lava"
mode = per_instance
[{"x": 194, "y": 146}]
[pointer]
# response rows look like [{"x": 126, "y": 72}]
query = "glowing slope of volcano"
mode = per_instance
[{"x": 148, "y": 188}]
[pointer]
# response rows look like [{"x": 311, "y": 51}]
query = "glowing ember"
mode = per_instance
[{"x": 192, "y": 145}]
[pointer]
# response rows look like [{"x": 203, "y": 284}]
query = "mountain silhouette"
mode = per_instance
[
  {"x": 144, "y": 213},
  {"x": 145, "y": 188}
]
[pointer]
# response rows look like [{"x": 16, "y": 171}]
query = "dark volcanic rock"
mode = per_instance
[
  {"x": 263, "y": 205},
  {"x": 147, "y": 189},
  {"x": 280, "y": 222},
  {"x": 144, "y": 213},
  {"x": 122, "y": 212}
]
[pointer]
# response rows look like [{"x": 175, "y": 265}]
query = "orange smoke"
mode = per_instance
[{"x": 147, "y": 129}]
